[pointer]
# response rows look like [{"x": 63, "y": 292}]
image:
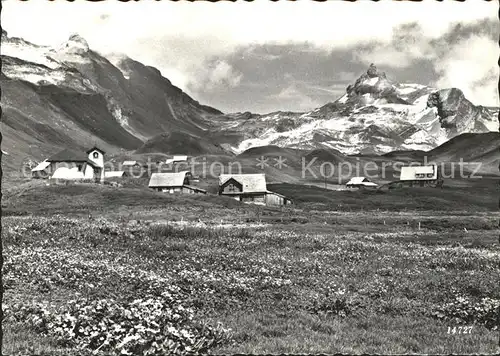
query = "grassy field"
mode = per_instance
[
  {"x": 467, "y": 195},
  {"x": 350, "y": 272}
]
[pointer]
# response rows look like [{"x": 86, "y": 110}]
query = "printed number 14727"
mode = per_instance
[{"x": 460, "y": 330}]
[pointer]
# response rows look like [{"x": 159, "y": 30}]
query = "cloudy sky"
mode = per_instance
[{"x": 295, "y": 56}]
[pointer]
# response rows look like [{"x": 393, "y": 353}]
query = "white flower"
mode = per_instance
[{"x": 127, "y": 339}]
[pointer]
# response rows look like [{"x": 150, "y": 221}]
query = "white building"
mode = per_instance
[
  {"x": 250, "y": 188},
  {"x": 419, "y": 173},
  {"x": 176, "y": 159},
  {"x": 76, "y": 165},
  {"x": 114, "y": 174},
  {"x": 130, "y": 163},
  {"x": 174, "y": 182},
  {"x": 180, "y": 158},
  {"x": 358, "y": 182},
  {"x": 42, "y": 170}
]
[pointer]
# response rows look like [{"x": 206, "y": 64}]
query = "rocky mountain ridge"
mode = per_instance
[
  {"x": 375, "y": 115},
  {"x": 72, "y": 96}
]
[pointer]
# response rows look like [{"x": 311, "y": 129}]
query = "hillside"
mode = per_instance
[
  {"x": 177, "y": 142},
  {"x": 472, "y": 195},
  {"x": 408, "y": 155},
  {"x": 326, "y": 155},
  {"x": 469, "y": 147}
]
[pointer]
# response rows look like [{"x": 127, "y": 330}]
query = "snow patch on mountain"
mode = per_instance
[
  {"x": 58, "y": 66},
  {"x": 342, "y": 100},
  {"x": 492, "y": 124},
  {"x": 371, "y": 81},
  {"x": 118, "y": 59},
  {"x": 74, "y": 51},
  {"x": 34, "y": 74},
  {"x": 75, "y": 44},
  {"x": 27, "y": 51},
  {"x": 122, "y": 119},
  {"x": 44, "y": 65}
]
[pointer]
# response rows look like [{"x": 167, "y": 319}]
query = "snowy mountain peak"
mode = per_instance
[
  {"x": 75, "y": 44},
  {"x": 377, "y": 115},
  {"x": 372, "y": 87},
  {"x": 373, "y": 72}
]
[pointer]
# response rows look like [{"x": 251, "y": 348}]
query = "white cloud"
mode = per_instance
[
  {"x": 408, "y": 44},
  {"x": 220, "y": 27},
  {"x": 402, "y": 57},
  {"x": 216, "y": 76},
  {"x": 346, "y": 76},
  {"x": 294, "y": 94},
  {"x": 290, "y": 92},
  {"x": 385, "y": 55},
  {"x": 468, "y": 63},
  {"x": 180, "y": 38},
  {"x": 471, "y": 65}
]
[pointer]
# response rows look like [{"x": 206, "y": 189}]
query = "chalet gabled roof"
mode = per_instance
[
  {"x": 361, "y": 181},
  {"x": 129, "y": 163},
  {"x": 251, "y": 183},
  {"x": 279, "y": 195},
  {"x": 41, "y": 166},
  {"x": 69, "y": 155},
  {"x": 95, "y": 148},
  {"x": 173, "y": 179},
  {"x": 114, "y": 174},
  {"x": 409, "y": 172}
]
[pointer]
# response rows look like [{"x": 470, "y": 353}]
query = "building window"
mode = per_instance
[
  {"x": 429, "y": 175},
  {"x": 96, "y": 155},
  {"x": 232, "y": 188}
]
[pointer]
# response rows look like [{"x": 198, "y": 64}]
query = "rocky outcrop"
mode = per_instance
[
  {"x": 373, "y": 86},
  {"x": 456, "y": 113},
  {"x": 75, "y": 44},
  {"x": 373, "y": 72}
]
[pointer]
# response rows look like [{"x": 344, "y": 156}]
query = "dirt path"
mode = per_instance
[{"x": 208, "y": 224}]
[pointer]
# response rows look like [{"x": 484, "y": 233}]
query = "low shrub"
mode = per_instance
[
  {"x": 194, "y": 232},
  {"x": 338, "y": 302},
  {"x": 468, "y": 311},
  {"x": 151, "y": 326}
]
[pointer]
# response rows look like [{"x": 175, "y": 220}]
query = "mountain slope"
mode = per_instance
[
  {"x": 75, "y": 97},
  {"x": 469, "y": 147},
  {"x": 176, "y": 142}
]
